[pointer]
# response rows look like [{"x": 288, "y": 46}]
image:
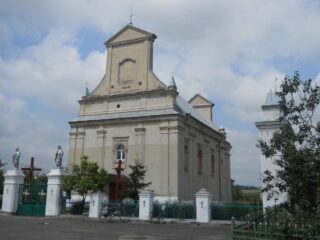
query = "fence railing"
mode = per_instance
[
  {"x": 179, "y": 210},
  {"x": 256, "y": 226},
  {"x": 228, "y": 210},
  {"x": 130, "y": 208}
]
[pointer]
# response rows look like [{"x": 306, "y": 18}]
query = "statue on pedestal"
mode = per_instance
[
  {"x": 59, "y": 156},
  {"x": 15, "y": 159}
]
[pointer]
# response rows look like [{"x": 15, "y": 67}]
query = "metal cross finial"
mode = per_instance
[{"x": 131, "y": 16}]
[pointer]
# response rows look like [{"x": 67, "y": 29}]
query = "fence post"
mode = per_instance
[
  {"x": 203, "y": 201},
  {"x": 53, "y": 203},
  {"x": 12, "y": 182},
  {"x": 96, "y": 200},
  {"x": 145, "y": 205}
]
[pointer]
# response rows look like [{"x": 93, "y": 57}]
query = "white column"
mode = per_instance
[
  {"x": 53, "y": 204},
  {"x": 12, "y": 182},
  {"x": 96, "y": 200},
  {"x": 145, "y": 204},
  {"x": 203, "y": 201}
]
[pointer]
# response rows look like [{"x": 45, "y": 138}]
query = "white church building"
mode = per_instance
[{"x": 133, "y": 116}]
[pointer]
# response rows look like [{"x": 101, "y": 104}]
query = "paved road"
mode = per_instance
[{"x": 82, "y": 228}]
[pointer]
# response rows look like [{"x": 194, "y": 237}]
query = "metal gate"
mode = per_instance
[{"x": 32, "y": 199}]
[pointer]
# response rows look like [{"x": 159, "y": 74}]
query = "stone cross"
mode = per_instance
[
  {"x": 30, "y": 170},
  {"x": 118, "y": 170}
]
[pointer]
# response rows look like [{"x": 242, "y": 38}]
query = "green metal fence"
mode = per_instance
[
  {"x": 270, "y": 230},
  {"x": 32, "y": 199},
  {"x": 174, "y": 209},
  {"x": 256, "y": 226},
  {"x": 227, "y": 210},
  {"x": 130, "y": 208}
]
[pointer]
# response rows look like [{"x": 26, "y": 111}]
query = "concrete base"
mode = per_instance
[
  {"x": 53, "y": 204},
  {"x": 12, "y": 182}
]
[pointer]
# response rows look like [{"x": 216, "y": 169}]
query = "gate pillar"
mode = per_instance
[
  {"x": 96, "y": 201},
  {"x": 145, "y": 204},
  {"x": 53, "y": 204},
  {"x": 12, "y": 182},
  {"x": 203, "y": 201}
]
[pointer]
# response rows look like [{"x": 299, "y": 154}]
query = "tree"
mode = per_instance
[
  {"x": 136, "y": 180},
  {"x": 86, "y": 178},
  {"x": 295, "y": 148},
  {"x": 1, "y": 176}
]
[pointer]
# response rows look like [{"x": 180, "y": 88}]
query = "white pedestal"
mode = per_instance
[
  {"x": 145, "y": 205},
  {"x": 96, "y": 200},
  {"x": 12, "y": 182},
  {"x": 203, "y": 201},
  {"x": 53, "y": 204}
]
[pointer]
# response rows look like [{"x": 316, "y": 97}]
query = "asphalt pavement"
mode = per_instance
[{"x": 83, "y": 228}]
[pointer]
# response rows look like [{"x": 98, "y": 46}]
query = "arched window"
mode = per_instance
[{"x": 121, "y": 152}]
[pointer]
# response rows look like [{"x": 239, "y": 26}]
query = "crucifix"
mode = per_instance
[
  {"x": 131, "y": 16},
  {"x": 30, "y": 170},
  {"x": 118, "y": 169}
]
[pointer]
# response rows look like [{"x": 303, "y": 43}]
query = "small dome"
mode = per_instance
[{"x": 272, "y": 99}]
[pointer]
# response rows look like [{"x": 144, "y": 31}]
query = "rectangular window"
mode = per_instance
[
  {"x": 199, "y": 159},
  {"x": 212, "y": 163},
  {"x": 186, "y": 157}
]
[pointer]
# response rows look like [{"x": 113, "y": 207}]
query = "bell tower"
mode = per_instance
[{"x": 267, "y": 127}]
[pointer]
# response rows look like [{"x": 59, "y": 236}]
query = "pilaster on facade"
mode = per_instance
[
  {"x": 101, "y": 143},
  {"x": 140, "y": 133},
  {"x": 76, "y": 139}
]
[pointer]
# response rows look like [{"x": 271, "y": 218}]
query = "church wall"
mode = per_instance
[
  {"x": 146, "y": 141},
  {"x": 191, "y": 181},
  {"x": 160, "y": 144},
  {"x": 126, "y": 103}
]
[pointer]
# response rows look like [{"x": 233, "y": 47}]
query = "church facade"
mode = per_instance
[{"x": 133, "y": 116}]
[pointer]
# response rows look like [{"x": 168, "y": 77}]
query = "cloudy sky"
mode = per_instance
[{"x": 229, "y": 51}]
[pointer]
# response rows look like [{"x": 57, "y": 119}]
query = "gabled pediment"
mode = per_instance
[
  {"x": 129, "y": 33},
  {"x": 197, "y": 100}
]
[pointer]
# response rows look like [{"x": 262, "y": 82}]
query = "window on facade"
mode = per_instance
[
  {"x": 186, "y": 157},
  {"x": 121, "y": 152},
  {"x": 199, "y": 159},
  {"x": 212, "y": 164}
]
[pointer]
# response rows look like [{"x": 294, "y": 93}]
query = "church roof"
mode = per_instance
[
  {"x": 129, "y": 33},
  {"x": 186, "y": 108},
  {"x": 200, "y": 99}
]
